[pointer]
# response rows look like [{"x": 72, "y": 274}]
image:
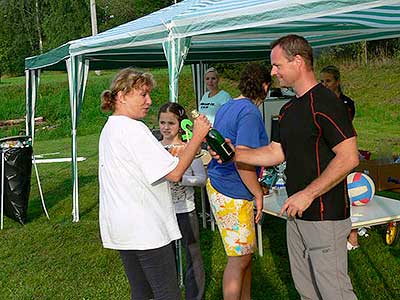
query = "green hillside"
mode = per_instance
[
  {"x": 375, "y": 89},
  {"x": 56, "y": 259}
]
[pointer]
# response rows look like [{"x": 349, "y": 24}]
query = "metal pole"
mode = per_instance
[
  {"x": 93, "y": 17},
  {"x": 203, "y": 207},
  {"x": 2, "y": 189},
  {"x": 179, "y": 264},
  {"x": 40, "y": 187}
]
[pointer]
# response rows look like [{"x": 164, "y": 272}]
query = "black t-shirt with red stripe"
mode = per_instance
[{"x": 309, "y": 127}]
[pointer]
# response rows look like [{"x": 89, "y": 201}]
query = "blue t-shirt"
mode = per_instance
[{"x": 239, "y": 120}]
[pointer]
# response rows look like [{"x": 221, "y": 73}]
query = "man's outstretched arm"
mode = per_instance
[{"x": 265, "y": 156}]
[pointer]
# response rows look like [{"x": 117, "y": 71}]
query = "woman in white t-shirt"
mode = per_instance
[
  {"x": 170, "y": 117},
  {"x": 214, "y": 98},
  {"x": 136, "y": 211}
]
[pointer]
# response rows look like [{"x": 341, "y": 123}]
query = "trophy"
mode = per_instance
[{"x": 280, "y": 182}]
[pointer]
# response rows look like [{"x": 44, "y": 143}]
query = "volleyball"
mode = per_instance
[{"x": 360, "y": 188}]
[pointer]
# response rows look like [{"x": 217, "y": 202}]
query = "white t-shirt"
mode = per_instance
[
  {"x": 210, "y": 105},
  {"x": 136, "y": 209}
]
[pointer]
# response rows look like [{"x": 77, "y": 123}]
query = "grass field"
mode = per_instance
[{"x": 58, "y": 259}]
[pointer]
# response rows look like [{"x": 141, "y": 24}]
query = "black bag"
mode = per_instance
[{"x": 17, "y": 176}]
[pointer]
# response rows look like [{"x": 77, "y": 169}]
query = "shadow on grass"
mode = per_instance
[
  {"x": 274, "y": 229},
  {"x": 58, "y": 193},
  {"x": 207, "y": 252},
  {"x": 395, "y": 250},
  {"x": 372, "y": 268},
  {"x": 358, "y": 279},
  {"x": 214, "y": 261}
]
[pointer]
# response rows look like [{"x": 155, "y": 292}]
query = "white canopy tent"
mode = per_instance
[{"x": 204, "y": 31}]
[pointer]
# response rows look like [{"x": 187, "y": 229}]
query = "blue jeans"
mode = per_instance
[{"x": 152, "y": 273}]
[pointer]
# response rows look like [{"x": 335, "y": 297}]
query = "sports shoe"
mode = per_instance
[{"x": 350, "y": 246}]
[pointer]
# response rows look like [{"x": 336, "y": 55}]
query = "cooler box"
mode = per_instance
[{"x": 386, "y": 176}]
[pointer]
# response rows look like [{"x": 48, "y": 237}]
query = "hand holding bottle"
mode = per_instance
[
  {"x": 201, "y": 127},
  {"x": 216, "y": 156},
  {"x": 217, "y": 142}
]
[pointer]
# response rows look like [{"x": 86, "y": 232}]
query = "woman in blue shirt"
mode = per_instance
[{"x": 232, "y": 187}]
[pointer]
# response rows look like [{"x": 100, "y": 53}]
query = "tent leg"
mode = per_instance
[
  {"x": 40, "y": 187},
  {"x": 203, "y": 207},
  {"x": 178, "y": 247},
  {"x": 212, "y": 220},
  {"x": 259, "y": 238},
  {"x": 2, "y": 190},
  {"x": 75, "y": 195}
]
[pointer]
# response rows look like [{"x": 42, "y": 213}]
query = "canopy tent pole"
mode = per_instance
[
  {"x": 39, "y": 186},
  {"x": 175, "y": 51},
  {"x": 78, "y": 69},
  {"x": 2, "y": 191},
  {"x": 198, "y": 72},
  {"x": 32, "y": 85},
  {"x": 32, "y": 78}
]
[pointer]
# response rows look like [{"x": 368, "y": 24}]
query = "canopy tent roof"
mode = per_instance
[
  {"x": 229, "y": 30},
  {"x": 204, "y": 31}
]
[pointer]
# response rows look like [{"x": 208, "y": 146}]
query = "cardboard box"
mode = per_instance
[{"x": 386, "y": 176}]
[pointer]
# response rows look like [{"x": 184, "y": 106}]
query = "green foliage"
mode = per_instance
[
  {"x": 64, "y": 20},
  {"x": 230, "y": 71},
  {"x": 17, "y": 36},
  {"x": 363, "y": 52},
  {"x": 144, "y": 7},
  {"x": 112, "y": 13},
  {"x": 27, "y": 30},
  {"x": 30, "y": 27}
]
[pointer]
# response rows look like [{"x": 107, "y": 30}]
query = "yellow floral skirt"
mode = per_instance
[{"x": 235, "y": 221}]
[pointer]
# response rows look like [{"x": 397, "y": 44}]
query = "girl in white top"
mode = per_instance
[
  {"x": 214, "y": 98},
  {"x": 170, "y": 116},
  {"x": 136, "y": 212}
]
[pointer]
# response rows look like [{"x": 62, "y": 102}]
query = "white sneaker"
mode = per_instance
[{"x": 350, "y": 246}]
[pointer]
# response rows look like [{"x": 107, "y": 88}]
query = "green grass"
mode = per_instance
[{"x": 58, "y": 259}]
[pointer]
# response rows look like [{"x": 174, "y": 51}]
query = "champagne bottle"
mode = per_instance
[{"x": 217, "y": 142}]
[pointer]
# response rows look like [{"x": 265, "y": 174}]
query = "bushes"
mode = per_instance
[{"x": 360, "y": 53}]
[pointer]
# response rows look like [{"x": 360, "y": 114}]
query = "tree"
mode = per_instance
[
  {"x": 112, "y": 13},
  {"x": 18, "y": 38},
  {"x": 65, "y": 20},
  {"x": 30, "y": 27}
]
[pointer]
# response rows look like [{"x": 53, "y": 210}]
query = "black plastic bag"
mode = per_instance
[{"x": 17, "y": 177}]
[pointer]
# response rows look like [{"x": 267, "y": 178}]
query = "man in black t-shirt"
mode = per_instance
[{"x": 319, "y": 145}]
